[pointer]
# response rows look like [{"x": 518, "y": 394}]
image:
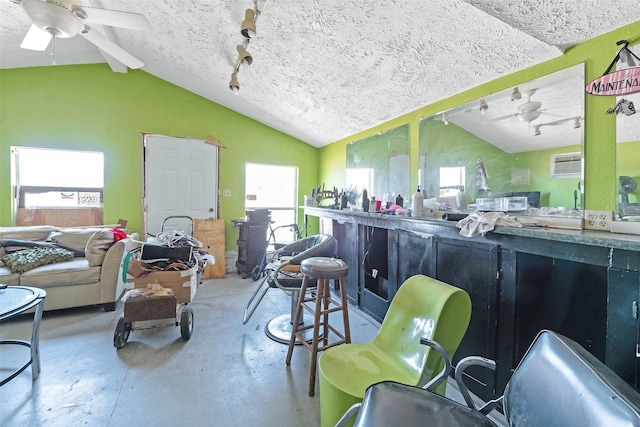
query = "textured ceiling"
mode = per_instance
[{"x": 324, "y": 70}]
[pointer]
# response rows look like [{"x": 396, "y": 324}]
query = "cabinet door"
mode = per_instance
[
  {"x": 622, "y": 324},
  {"x": 474, "y": 267},
  {"x": 415, "y": 255},
  {"x": 347, "y": 236}
]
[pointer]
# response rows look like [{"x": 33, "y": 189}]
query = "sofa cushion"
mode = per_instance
[
  {"x": 74, "y": 272},
  {"x": 74, "y": 238},
  {"x": 34, "y": 233},
  {"x": 97, "y": 247},
  {"x": 8, "y": 278},
  {"x": 28, "y": 259}
]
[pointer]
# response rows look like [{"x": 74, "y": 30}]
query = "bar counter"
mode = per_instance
[{"x": 581, "y": 283}]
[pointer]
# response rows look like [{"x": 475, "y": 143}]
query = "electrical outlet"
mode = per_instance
[
  {"x": 598, "y": 220},
  {"x": 226, "y": 193}
]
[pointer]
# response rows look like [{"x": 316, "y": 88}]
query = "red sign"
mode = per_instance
[{"x": 621, "y": 82}]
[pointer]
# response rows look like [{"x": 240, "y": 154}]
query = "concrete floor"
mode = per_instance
[{"x": 228, "y": 374}]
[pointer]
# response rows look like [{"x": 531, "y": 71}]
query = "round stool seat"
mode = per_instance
[{"x": 324, "y": 268}]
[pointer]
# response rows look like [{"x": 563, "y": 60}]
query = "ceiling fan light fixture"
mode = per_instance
[
  {"x": 233, "y": 83},
  {"x": 244, "y": 57},
  {"x": 515, "y": 94},
  {"x": 248, "y": 26},
  {"x": 53, "y": 16},
  {"x": 529, "y": 116},
  {"x": 483, "y": 106}
]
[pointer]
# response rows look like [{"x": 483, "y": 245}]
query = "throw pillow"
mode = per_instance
[
  {"x": 73, "y": 238},
  {"x": 28, "y": 259},
  {"x": 97, "y": 247}
]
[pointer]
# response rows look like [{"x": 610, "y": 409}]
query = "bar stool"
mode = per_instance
[{"x": 323, "y": 269}]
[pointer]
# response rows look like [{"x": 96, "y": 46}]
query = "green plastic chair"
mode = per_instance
[{"x": 422, "y": 307}]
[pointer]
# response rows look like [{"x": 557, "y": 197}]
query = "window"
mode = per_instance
[
  {"x": 273, "y": 187},
  {"x": 48, "y": 178},
  {"x": 452, "y": 181}
]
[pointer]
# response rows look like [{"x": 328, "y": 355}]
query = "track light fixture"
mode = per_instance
[
  {"x": 483, "y": 106},
  {"x": 515, "y": 94},
  {"x": 233, "y": 83},
  {"x": 576, "y": 122},
  {"x": 248, "y": 26},
  {"x": 244, "y": 57},
  {"x": 536, "y": 130},
  {"x": 248, "y": 31}
]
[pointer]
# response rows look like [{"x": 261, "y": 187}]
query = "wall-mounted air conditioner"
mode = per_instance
[{"x": 566, "y": 165}]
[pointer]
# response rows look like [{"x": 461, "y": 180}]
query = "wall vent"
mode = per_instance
[{"x": 566, "y": 165}]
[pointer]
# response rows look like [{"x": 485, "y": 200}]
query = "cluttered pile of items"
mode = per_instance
[{"x": 165, "y": 273}]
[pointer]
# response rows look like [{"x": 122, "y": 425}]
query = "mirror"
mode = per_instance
[
  {"x": 628, "y": 154},
  {"x": 521, "y": 142},
  {"x": 379, "y": 164}
]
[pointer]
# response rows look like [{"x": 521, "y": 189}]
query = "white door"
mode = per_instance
[{"x": 181, "y": 179}]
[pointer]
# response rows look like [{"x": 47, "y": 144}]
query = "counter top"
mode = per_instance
[{"x": 428, "y": 225}]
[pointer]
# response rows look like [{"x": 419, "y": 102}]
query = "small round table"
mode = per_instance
[{"x": 15, "y": 300}]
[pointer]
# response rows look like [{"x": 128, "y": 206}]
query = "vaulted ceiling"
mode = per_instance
[{"x": 324, "y": 70}]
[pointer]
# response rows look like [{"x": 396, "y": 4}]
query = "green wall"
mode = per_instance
[
  {"x": 599, "y": 131},
  {"x": 450, "y": 146},
  {"x": 89, "y": 107}
]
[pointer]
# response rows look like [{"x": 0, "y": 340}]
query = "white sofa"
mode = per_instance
[{"x": 86, "y": 280}]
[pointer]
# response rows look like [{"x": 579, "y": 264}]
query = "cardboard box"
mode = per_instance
[{"x": 184, "y": 283}]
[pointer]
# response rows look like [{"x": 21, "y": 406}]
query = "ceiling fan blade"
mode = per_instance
[
  {"x": 36, "y": 39},
  {"x": 496, "y": 119},
  {"x": 113, "y": 18},
  {"x": 111, "y": 48}
]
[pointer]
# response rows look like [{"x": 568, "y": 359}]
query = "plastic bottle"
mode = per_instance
[
  {"x": 416, "y": 203},
  {"x": 461, "y": 200},
  {"x": 372, "y": 204},
  {"x": 399, "y": 200}
]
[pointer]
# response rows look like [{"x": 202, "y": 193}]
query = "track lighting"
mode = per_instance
[
  {"x": 233, "y": 83},
  {"x": 248, "y": 31},
  {"x": 536, "y": 130},
  {"x": 445, "y": 118},
  {"x": 248, "y": 26},
  {"x": 515, "y": 94},
  {"x": 576, "y": 122},
  {"x": 483, "y": 106},
  {"x": 244, "y": 57}
]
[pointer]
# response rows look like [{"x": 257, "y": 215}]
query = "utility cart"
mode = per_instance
[
  {"x": 145, "y": 312},
  {"x": 171, "y": 262}
]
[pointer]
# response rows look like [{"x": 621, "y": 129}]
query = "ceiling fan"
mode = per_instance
[
  {"x": 527, "y": 111},
  {"x": 53, "y": 19}
]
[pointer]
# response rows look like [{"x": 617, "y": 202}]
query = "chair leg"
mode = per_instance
[
  {"x": 345, "y": 310},
  {"x": 248, "y": 309},
  {"x": 296, "y": 319},
  {"x": 322, "y": 284}
]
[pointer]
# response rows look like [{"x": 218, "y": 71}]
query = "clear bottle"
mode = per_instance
[{"x": 416, "y": 203}]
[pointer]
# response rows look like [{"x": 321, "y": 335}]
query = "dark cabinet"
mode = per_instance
[
  {"x": 252, "y": 244},
  {"x": 622, "y": 350},
  {"x": 348, "y": 252},
  {"x": 583, "y": 285},
  {"x": 474, "y": 267}
]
